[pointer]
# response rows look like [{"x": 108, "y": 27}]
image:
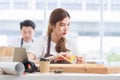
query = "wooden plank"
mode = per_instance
[
  {"x": 86, "y": 68},
  {"x": 113, "y": 69}
]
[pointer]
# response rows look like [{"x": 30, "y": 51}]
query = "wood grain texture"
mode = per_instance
[{"x": 86, "y": 68}]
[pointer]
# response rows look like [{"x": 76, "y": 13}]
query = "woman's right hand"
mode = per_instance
[
  {"x": 62, "y": 56},
  {"x": 80, "y": 60}
]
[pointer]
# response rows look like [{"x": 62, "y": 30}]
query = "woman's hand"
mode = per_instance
[
  {"x": 1, "y": 71},
  {"x": 66, "y": 56},
  {"x": 62, "y": 56},
  {"x": 80, "y": 60}
]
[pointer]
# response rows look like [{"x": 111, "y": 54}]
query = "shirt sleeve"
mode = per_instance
[{"x": 37, "y": 48}]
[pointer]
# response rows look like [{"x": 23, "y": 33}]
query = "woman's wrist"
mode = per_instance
[{"x": 54, "y": 57}]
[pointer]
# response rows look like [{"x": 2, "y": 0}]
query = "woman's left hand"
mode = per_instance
[
  {"x": 1, "y": 71},
  {"x": 80, "y": 60}
]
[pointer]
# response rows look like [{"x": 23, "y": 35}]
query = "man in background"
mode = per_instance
[{"x": 27, "y": 28}]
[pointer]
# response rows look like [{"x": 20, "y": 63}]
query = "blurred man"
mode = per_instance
[{"x": 27, "y": 28}]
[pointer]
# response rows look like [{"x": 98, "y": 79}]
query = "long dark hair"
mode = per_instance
[{"x": 58, "y": 15}]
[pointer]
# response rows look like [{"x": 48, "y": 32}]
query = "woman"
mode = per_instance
[{"x": 54, "y": 45}]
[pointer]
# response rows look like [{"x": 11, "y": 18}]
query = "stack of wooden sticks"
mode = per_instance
[{"x": 6, "y": 53}]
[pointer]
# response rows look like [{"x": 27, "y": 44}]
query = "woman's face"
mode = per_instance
[{"x": 61, "y": 27}]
